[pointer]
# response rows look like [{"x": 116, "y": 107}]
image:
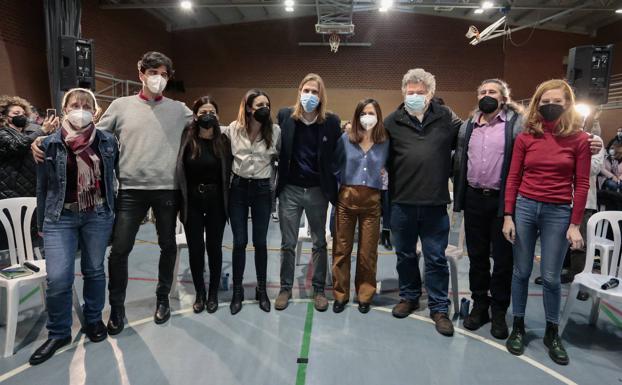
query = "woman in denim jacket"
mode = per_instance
[{"x": 75, "y": 200}]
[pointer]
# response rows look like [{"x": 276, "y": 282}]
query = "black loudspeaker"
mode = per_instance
[
  {"x": 77, "y": 63},
  {"x": 589, "y": 72}
]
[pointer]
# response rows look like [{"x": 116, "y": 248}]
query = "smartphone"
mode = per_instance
[{"x": 50, "y": 112}]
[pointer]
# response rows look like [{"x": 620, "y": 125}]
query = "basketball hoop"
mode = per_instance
[
  {"x": 473, "y": 32},
  {"x": 334, "y": 41}
]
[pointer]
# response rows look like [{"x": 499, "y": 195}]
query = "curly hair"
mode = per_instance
[{"x": 7, "y": 101}]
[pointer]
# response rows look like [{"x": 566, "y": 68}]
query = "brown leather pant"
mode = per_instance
[{"x": 362, "y": 204}]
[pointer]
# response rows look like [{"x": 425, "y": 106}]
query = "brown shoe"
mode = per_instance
[
  {"x": 443, "y": 324},
  {"x": 320, "y": 301},
  {"x": 404, "y": 308},
  {"x": 283, "y": 299}
]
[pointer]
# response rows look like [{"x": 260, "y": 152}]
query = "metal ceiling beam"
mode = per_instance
[{"x": 363, "y": 3}]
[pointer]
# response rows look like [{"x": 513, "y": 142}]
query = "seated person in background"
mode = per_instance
[
  {"x": 616, "y": 139},
  {"x": 612, "y": 169}
]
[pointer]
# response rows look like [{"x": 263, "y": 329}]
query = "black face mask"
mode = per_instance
[
  {"x": 551, "y": 112},
  {"x": 207, "y": 121},
  {"x": 488, "y": 104},
  {"x": 19, "y": 121},
  {"x": 262, "y": 114}
]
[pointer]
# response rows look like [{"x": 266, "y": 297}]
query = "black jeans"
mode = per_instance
[
  {"x": 253, "y": 193},
  {"x": 131, "y": 209},
  {"x": 483, "y": 226},
  {"x": 204, "y": 227}
]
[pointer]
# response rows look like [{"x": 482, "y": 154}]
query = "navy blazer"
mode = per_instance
[{"x": 329, "y": 134}]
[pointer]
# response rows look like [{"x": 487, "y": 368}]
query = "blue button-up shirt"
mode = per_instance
[{"x": 354, "y": 167}]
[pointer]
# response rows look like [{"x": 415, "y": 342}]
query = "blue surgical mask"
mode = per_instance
[
  {"x": 414, "y": 103},
  {"x": 309, "y": 102}
]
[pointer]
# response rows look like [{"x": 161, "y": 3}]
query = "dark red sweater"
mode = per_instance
[{"x": 548, "y": 169}]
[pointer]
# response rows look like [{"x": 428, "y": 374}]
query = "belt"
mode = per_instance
[
  {"x": 73, "y": 207},
  {"x": 203, "y": 188},
  {"x": 487, "y": 192}
]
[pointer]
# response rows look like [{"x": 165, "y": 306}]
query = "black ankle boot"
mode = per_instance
[
  {"x": 212, "y": 300},
  {"x": 262, "y": 296},
  {"x": 236, "y": 300},
  {"x": 554, "y": 343},
  {"x": 199, "y": 302},
  {"x": 386, "y": 239},
  {"x": 516, "y": 342}
]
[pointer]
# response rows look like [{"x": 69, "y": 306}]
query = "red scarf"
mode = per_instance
[{"x": 89, "y": 175}]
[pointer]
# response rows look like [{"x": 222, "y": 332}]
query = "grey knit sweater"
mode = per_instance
[{"x": 149, "y": 134}]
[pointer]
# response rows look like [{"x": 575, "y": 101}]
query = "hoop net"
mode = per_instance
[{"x": 334, "y": 41}]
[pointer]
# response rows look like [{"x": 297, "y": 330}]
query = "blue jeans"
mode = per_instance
[
  {"x": 549, "y": 221},
  {"x": 611, "y": 185},
  {"x": 254, "y": 194},
  {"x": 91, "y": 230},
  {"x": 431, "y": 223}
]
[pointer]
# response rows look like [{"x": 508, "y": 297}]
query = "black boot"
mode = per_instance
[
  {"x": 236, "y": 300},
  {"x": 116, "y": 320},
  {"x": 554, "y": 343},
  {"x": 516, "y": 342},
  {"x": 386, "y": 239},
  {"x": 199, "y": 302},
  {"x": 262, "y": 296},
  {"x": 212, "y": 300}
]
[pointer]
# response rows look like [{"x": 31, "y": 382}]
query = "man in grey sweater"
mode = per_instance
[{"x": 148, "y": 127}]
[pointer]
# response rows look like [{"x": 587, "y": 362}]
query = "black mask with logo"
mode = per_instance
[
  {"x": 551, "y": 112},
  {"x": 488, "y": 104}
]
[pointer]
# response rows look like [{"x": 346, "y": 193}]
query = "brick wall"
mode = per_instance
[
  {"x": 227, "y": 60},
  {"x": 23, "y": 68}
]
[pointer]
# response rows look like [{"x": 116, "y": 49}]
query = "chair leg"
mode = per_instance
[
  {"x": 12, "y": 300},
  {"x": 570, "y": 300},
  {"x": 594, "y": 311},
  {"x": 298, "y": 252},
  {"x": 77, "y": 306},
  {"x": 454, "y": 284},
  {"x": 43, "y": 288},
  {"x": 174, "y": 290}
]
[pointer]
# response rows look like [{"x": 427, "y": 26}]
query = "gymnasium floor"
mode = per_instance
[{"x": 300, "y": 345}]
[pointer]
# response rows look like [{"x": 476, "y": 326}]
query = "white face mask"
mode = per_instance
[
  {"x": 80, "y": 118},
  {"x": 612, "y": 152},
  {"x": 156, "y": 84},
  {"x": 368, "y": 121}
]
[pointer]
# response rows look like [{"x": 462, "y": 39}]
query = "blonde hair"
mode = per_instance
[
  {"x": 82, "y": 94},
  {"x": 569, "y": 122},
  {"x": 6, "y": 102},
  {"x": 321, "y": 108}
]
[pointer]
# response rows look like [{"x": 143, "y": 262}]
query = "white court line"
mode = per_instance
[
  {"x": 118, "y": 353},
  {"x": 494, "y": 344}
]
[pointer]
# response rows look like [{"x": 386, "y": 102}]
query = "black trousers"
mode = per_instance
[
  {"x": 204, "y": 228},
  {"x": 482, "y": 232},
  {"x": 131, "y": 209}
]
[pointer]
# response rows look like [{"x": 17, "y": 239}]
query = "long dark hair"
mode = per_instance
[
  {"x": 245, "y": 115},
  {"x": 356, "y": 133},
  {"x": 219, "y": 141}
]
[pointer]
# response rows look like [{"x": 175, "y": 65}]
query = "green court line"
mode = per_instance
[
  {"x": 612, "y": 316},
  {"x": 30, "y": 294},
  {"x": 301, "y": 375}
]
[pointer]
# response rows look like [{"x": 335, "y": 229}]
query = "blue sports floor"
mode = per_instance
[{"x": 300, "y": 345}]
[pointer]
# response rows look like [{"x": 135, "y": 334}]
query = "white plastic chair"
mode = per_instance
[
  {"x": 20, "y": 250},
  {"x": 590, "y": 282},
  {"x": 602, "y": 244}
]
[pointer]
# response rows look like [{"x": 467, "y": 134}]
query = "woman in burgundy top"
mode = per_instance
[{"x": 546, "y": 192}]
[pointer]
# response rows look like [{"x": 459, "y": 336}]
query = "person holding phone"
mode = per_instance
[{"x": 18, "y": 175}]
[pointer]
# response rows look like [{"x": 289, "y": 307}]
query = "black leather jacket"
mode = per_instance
[{"x": 18, "y": 175}]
